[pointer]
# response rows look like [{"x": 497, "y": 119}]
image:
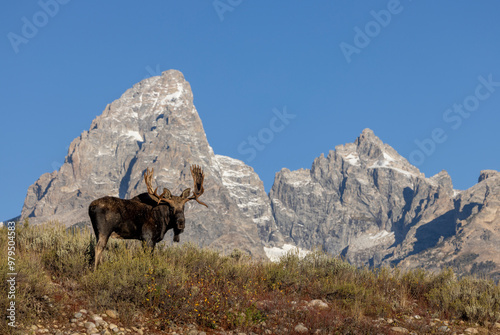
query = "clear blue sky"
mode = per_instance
[{"x": 397, "y": 67}]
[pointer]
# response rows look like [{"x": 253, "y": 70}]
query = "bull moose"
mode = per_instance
[{"x": 146, "y": 217}]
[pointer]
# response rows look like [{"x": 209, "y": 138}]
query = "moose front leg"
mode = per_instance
[
  {"x": 177, "y": 232},
  {"x": 148, "y": 245},
  {"x": 148, "y": 241}
]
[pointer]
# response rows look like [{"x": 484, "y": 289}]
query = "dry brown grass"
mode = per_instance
[{"x": 186, "y": 284}]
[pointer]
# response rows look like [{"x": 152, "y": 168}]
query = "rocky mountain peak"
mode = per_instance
[
  {"x": 485, "y": 174},
  {"x": 154, "y": 124},
  {"x": 363, "y": 200},
  {"x": 369, "y": 152},
  {"x": 443, "y": 180},
  {"x": 369, "y": 204},
  {"x": 367, "y": 135}
]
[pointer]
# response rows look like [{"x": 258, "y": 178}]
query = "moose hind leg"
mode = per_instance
[{"x": 99, "y": 248}]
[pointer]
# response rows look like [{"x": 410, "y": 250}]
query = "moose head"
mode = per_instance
[{"x": 176, "y": 203}]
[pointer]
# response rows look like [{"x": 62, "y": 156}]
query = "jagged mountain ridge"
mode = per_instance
[
  {"x": 363, "y": 200},
  {"x": 367, "y": 203}
]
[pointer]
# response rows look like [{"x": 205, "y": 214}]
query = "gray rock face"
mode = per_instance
[
  {"x": 366, "y": 202},
  {"x": 353, "y": 201},
  {"x": 485, "y": 174},
  {"x": 247, "y": 190},
  {"x": 475, "y": 247},
  {"x": 153, "y": 124}
]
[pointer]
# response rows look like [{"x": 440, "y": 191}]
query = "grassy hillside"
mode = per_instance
[{"x": 184, "y": 287}]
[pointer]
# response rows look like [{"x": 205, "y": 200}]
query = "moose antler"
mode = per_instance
[
  {"x": 198, "y": 177},
  {"x": 148, "y": 179}
]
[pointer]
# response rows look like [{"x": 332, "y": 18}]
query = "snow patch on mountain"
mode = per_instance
[
  {"x": 352, "y": 158},
  {"x": 385, "y": 161},
  {"x": 275, "y": 253},
  {"x": 370, "y": 240},
  {"x": 135, "y": 135}
]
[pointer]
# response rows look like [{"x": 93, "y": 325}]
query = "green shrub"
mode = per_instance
[{"x": 468, "y": 298}]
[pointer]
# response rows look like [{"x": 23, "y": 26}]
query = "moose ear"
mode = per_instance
[
  {"x": 167, "y": 194},
  {"x": 186, "y": 193}
]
